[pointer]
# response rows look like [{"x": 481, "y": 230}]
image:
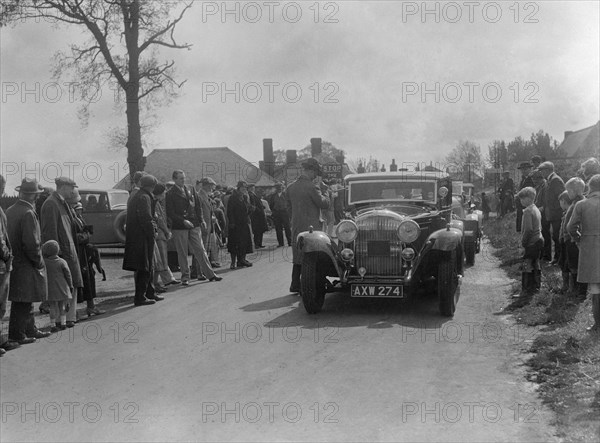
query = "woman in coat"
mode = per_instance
[
  {"x": 240, "y": 235},
  {"x": 584, "y": 228}
]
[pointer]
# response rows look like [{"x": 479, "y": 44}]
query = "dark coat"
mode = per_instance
[
  {"x": 305, "y": 202},
  {"x": 183, "y": 204},
  {"x": 585, "y": 228},
  {"x": 28, "y": 277},
  {"x": 257, "y": 215},
  {"x": 82, "y": 240},
  {"x": 60, "y": 284},
  {"x": 240, "y": 235},
  {"x": 141, "y": 232},
  {"x": 554, "y": 187},
  {"x": 57, "y": 220},
  {"x": 5, "y": 248}
]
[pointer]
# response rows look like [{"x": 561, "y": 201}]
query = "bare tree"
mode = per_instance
[{"x": 124, "y": 38}]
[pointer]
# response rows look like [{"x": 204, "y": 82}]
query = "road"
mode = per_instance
[{"x": 240, "y": 360}]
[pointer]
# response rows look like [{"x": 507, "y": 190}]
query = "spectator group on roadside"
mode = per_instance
[{"x": 559, "y": 223}]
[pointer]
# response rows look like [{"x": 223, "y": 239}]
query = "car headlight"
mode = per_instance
[
  {"x": 408, "y": 254},
  {"x": 347, "y": 231},
  {"x": 408, "y": 231}
]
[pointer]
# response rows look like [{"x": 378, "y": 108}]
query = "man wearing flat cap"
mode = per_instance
[
  {"x": 552, "y": 210},
  {"x": 139, "y": 241},
  {"x": 305, "y": 199},
  {"x": 28, "y": 277},
  {"x": 505, "y": 193},
  {"x": 526, "y": 181},
  {"x": 281, "y": 218},
  {"x": 58, "y": 223}
]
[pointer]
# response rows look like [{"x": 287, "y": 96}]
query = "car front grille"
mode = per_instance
[{"x": 377, "y": 247}]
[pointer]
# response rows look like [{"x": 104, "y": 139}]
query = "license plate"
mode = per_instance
[{"x": 394, "y": 291}]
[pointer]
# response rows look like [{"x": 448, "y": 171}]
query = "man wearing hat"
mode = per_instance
[
  {"x": 281, "y": 218},
  {"x": 305, "y": 200},
  {"x": 526, "y": 181},
  {"x": 28, "y": 276},
  {"x": 207, "y": 187},
  {"x": 552, "y": 210},
  {"x": 506, "y": 192},
  {"x": 139, "y": 241},
  {"x": 58, "y": 223},
  {"x": 258, "y": 218},
  {"x": 185, "y": 212}
]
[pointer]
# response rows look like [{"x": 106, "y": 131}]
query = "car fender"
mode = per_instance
[
  {"x": 318, "y": 241},
  {"x": 446, "y": 239}
]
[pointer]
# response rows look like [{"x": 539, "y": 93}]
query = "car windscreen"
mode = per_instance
[
  {"x": 118, "y": 199},
  {"x": 362, "y": 191}
]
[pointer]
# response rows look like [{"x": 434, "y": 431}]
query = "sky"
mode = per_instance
[{"x": 388, "y": 79}]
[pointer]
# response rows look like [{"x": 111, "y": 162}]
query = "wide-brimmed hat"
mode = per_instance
[
  {"x": 525, "y": 165},
  {"x": 312, "y": 163},
  {"x": 29, "y": 186}
]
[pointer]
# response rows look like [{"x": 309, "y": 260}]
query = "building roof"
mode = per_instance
[
  {"x": 223, "y": 165},
  {"x": 582, "y": 143}
]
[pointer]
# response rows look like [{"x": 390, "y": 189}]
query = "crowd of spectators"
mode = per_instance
[{"x": 560, "y": 224}]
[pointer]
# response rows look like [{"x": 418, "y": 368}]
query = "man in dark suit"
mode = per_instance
[
  {"x": 258, "y": 218},
  {"x": 281, "y": 218},
  {"x": 505, "y": 193},
  {"x": 526, "y": 181},
  {"x": 28, "y": 277},
  {"x": 184, "y": 210},
  {"x": 552, "y": 210},
  {"x": 305, "y": 200},
  {"x": 139, "y": 243}
]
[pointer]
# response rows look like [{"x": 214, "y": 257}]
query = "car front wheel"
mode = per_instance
[
  {"x": 448, "y": 288},
  {"x": 313, "y": 283}
]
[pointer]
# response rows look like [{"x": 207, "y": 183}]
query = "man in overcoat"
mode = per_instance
[
  {"x": 184, "y": 210},
  {"x": 584, "y": 228},
  {"x": 58, "y": 223},
  {"x": 257, "y": 217},
  {"x": 207, "y": 187},
  {"x": 281, "y": 218},
  {"x": 305, "y": 200},
  {"x": 552, "y": 210},
  {"x": 526, "y": 181},
  {"x": 139, "y": 241},
  {"x": 28, "y": 278}
]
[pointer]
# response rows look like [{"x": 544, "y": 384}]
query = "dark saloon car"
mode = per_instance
[
  {"x": 400, "y": 237},
  {"x": 106, "y": 211}
]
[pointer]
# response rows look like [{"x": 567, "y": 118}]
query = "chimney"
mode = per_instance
[
  {"x": 393, "y": 166},
  {"x": 567, "y": 133},
  {"x": 315, "y": 146},
  {"x": 268, "y": 163},
  {"x": 291, "y": 156}
]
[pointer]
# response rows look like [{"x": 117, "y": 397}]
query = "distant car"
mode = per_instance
[
  {"x": 401, "y": 237},
  {"x": 106, "y": 211}
]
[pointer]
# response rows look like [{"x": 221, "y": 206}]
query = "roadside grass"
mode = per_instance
[{"x": 566, "y": 360}]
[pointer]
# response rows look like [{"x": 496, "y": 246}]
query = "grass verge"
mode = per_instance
[{"x": 566, "y": 358}]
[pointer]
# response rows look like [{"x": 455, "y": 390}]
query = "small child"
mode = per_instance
[
  {"x": 60, "y": 284},
  {"x": 564, "y": 237},
  {"x": 532, "y": 241}
]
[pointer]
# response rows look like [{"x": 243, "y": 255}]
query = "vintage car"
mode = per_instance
[
  {"x": 401, "y": 237},
  {"x": 106, "y": 211}
]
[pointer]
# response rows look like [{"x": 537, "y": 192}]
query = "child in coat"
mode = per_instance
[
  {"x": 60, "y": 284},
  {"x": 532, "y": 241}
]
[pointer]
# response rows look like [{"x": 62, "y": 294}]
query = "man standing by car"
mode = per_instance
[
  {"x": 305, "y": 200},
  {"x": 28, "y": 278},
  {"x": 281, "y": 218},
  {"x": 185, "y": 212},
  {"x": 139, "y": 243},
  {"x": 552, "y": 210},
  {"x": 58, "y": 224}
]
